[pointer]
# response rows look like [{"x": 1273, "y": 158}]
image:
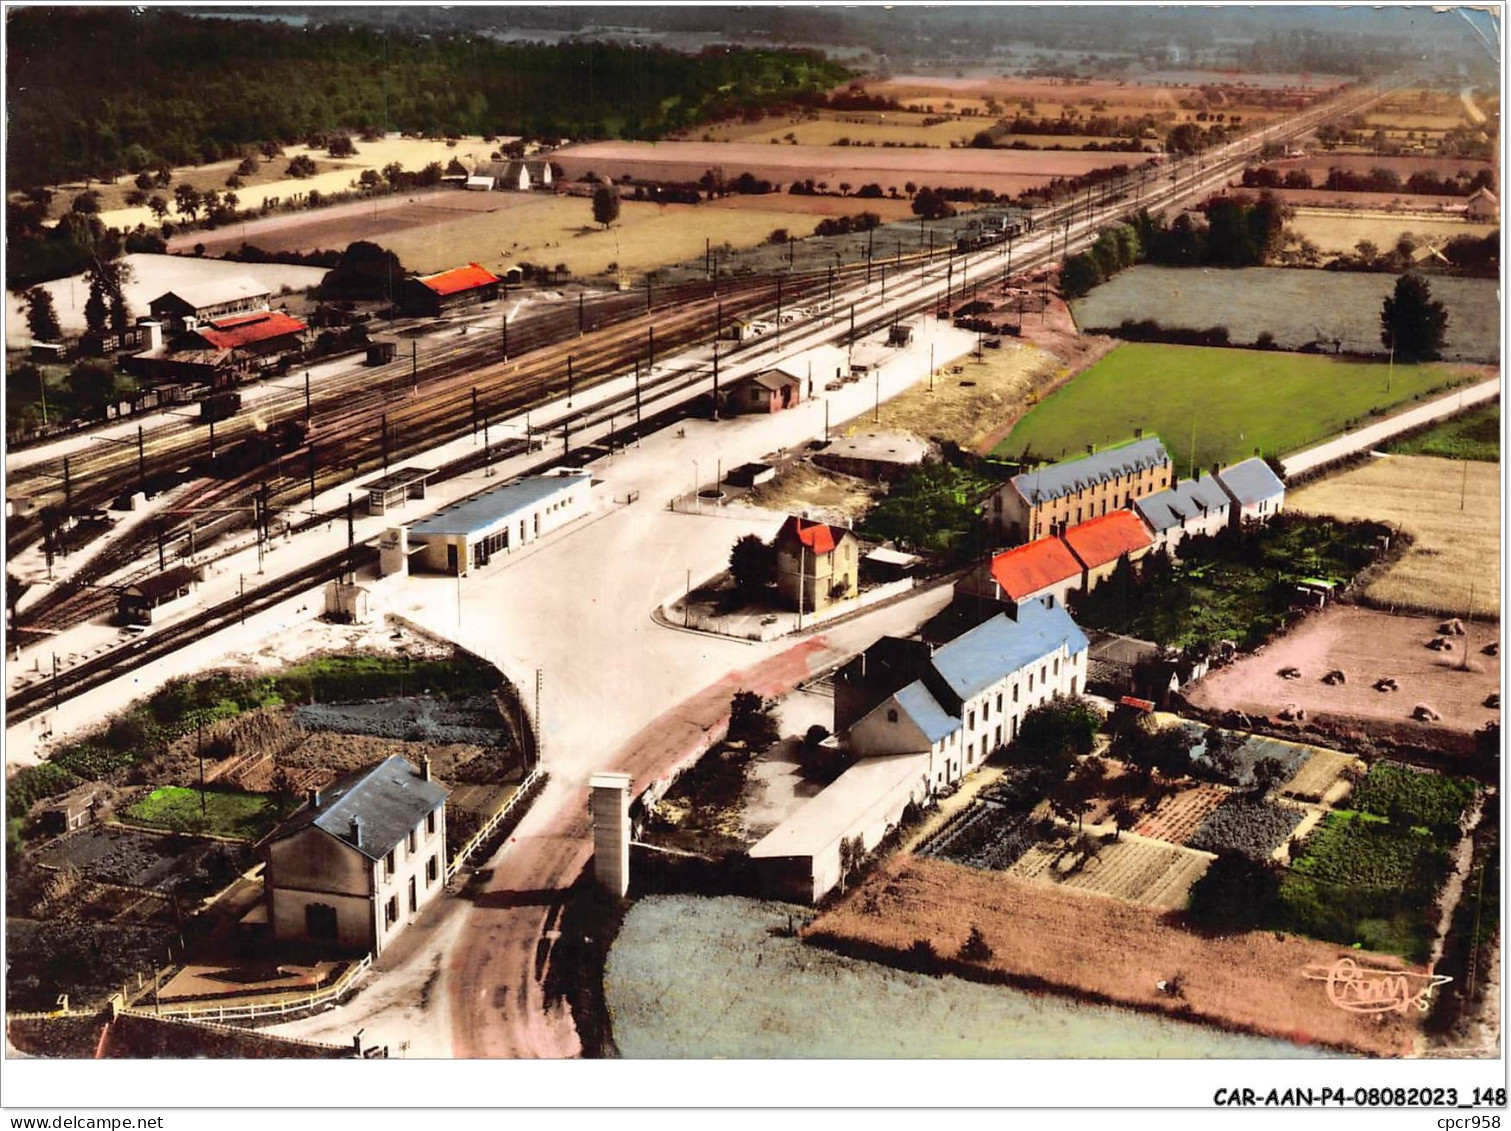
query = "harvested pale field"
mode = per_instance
[
  {"x": 771, "y": 203},
  {"x": 983, "y": 400},
  {"x": 1004, "y": 170},
  {"x": 333, "y": 175},
  {"x": 1177, "y": 817},
  {"x": 860, "y": 126},
  {"x": 1108, "y": 951},
  {"x": 1316, "y": 779},
  {"x": 1145, "y": 872},
  {"x": 803, "y": 488},
  {"x": 1366, "y": 645},
  {"x": 549, "y": 230},
  {"x": 779, "y": 998},
  {"x": 1337, "y": 232},
  {"x": 1451, "y": 508}
]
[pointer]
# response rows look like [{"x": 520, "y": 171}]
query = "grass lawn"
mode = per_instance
[
  {"x": 225, "y": 813},
  {"x": 1475, "y": 434},
  {"x": 1236, "y": 400}
]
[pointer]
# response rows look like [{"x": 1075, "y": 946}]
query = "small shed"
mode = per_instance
[
  {"x": 381, "y": 353},
  {"x": 874, "y": 455},
  {"x": 393, "y": 490},
  {"x": 479, "y": 184},
  {"x": 72, "y": 810},
  {"x": 47, "y": 351},
  {"x": 138, "y": 600},
  {"x": 900, "y": 334}
]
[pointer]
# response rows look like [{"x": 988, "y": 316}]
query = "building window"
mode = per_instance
[
  {"x": 1043, "y": 673},
  {"x": 999, "y": 734},
  {"x": 414, "y": 901},
  {"x": 999, "y": 702},
  {"x": 430, "y": 823},
  {"x": 1057, "y": 665},
  {"x": 1030, "y": 683},
  {"x": 410, "y": 846},
  {"x": 391, "y": 911},
  {"x": 388, "y": 864},
  {"x": 891, "y": 714},
  {"x": 1015, "y": 693},
  {"x": 971, "y": 721},
  {"x": 432, "y": 870}
]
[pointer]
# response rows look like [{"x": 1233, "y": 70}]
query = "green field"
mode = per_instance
[
  {"x": 245, "y": 815},
  {"x": 1475, "y": 434},
  {"x": 1237, "y": 400}
]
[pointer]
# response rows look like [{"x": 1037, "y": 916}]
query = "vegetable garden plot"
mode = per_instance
[
  {"x": 1177, "y": 817},
  {"x": 985, "y": 836},
  {"x": 1317, "y": 776},
  {"x": 1253, "y": 748},
  {"x": 1243, "y": 824},
  {"x": 1414, "y": 797},
  {"x": 415, "y": 718},
  {"x": 131, "y": 858},
  {"x": 1136, "y": 871}
]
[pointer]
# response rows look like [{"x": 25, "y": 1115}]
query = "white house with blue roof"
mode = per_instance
[
  {"x": 467, "y": 535},
  {"x": 360, "y": 860},
  {"x": 975, "y": 691},
  {"x": 1192, "y": 506},
  {"x": 1258, "y": 494}
]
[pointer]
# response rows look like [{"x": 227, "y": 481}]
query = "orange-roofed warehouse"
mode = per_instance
[{"x": 433, "y": 295}]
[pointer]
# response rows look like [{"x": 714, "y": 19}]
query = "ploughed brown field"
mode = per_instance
[
  {"x": 1367, "y": 646},
  {"x": 1003, "y": 170},
  {"x": 1104, "y": 950}
]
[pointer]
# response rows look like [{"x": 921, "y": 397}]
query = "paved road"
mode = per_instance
[{"x": 1365, "y": 438}]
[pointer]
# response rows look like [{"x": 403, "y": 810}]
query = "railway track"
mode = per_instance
[{"x": 376, "y": 422}]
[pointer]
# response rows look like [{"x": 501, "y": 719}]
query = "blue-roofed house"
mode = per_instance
[
  {"x": 466, "y": 535},
  {"x": 1258, "y": 494},
  {"x": 360, "y": 860},
  {"x": 1192, "y": 506},
  {"x": 974, "y": 691},
  {"x": 1053, "y": 498}
]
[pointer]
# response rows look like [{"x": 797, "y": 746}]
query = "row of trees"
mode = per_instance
[
  {"x": 76, "y": 79},
  {"x": 1240, "y": 231}
]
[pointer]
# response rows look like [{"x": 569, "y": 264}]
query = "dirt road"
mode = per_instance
[{"x": 498, "y": 970}]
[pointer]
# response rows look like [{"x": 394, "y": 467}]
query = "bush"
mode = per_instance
[
  {"x": 1414, "y": 798},
  {"x": 33, "y": 784}
]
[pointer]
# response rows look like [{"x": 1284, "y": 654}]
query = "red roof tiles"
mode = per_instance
[
  {"x": 458, "y": 279},
  {"x": 249, "y": 329},
  {"x": 1107, "y": 537},
  {"x": 1025, "y": 570},
  {"x": 819, "y": 537}
]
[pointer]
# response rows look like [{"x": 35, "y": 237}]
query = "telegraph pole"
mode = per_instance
[
  {"x": 141, "y": 459},
  {"x": 569, "y": 380},
  {"x": 307, "y": 412}
]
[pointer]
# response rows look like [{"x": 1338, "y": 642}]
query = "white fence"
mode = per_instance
[
  {"x": 519, "y": 797},
  {"x": 202, "y": 1011}
]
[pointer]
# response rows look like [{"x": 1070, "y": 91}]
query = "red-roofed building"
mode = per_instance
[
  {"x": 432, "y": 295},
  {"x": 1100, "y": 543},
  {"x": 816, "y": 564},
  {"x": 264, "y": 334},
  {"x": 1044, "y": 569}
]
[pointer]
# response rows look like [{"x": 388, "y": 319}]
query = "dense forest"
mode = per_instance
[{"x": 96, "y": 92}]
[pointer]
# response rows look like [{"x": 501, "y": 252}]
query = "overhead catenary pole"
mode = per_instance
[
  {"x": 308, "y": 413},
  {"x": 414, "y": 365}
]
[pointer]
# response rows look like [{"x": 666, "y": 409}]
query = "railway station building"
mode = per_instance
[
  {"x": 467, "y": 535},
  {"x": 185, "y": 307}
]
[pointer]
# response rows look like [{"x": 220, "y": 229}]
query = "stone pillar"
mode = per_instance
[{"x": 609, "y": 803}]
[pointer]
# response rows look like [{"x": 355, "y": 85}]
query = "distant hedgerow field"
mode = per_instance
[
  {"x": 1475, "y": 435},
  {"x": 1295, "y": 306}
]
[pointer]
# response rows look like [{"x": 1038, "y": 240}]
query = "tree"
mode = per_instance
[
  {"x": 96, "y": 307},
  {"x": 1412, "y": 324},
  {"x": 750, "y": 720},
  {"x": 341, "y": 146},
  {"x": 92, "y": 384},
  {"x": 158, "y": 207},
  {"x": 1268, "y": 773},
  {"x": 186, "y": 200},
  {"x": 605, "y": 205},
  {"x": 1054, "y": 732},
  {"x": 41, "y": 315},
  {"x": 1236, "y": 893},
  {"x": 752, "y": 562},
  {"x": 1078, "y": 275},
  {"x": 365, "y": 272},
  {"x": 931, "y": 205}
]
